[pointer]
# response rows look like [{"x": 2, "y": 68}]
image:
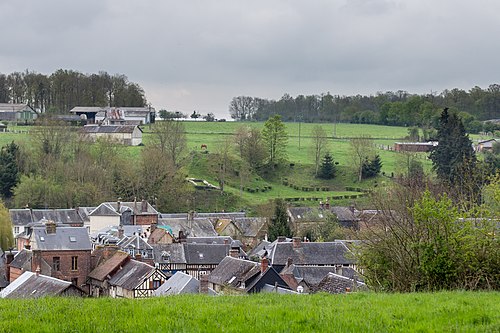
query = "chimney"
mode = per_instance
[
  {"x": 226, "y": 241},
  {"x": 289, "y": 262},
  {"x": 36, "y": 259},
  {"x": 281, "y": 239},
  {"x": 264, "y": 264},
  {"x": 351, "y": 208},
  {"x": 296, "y": 242},
  {"x": 182, "y": 237},
  {"x": 138, "y": 257},
  {"x": 50, "y": 227},
  {"x": 10, "y": 258},
  {"x": 118, "y": 205},
  {"x": 153, "y": 226},
  {"x": 120, "y": 232},
  {"x": 204, "y": 284},
  {"x": 338, "y": 270},
  {"x": 321, "y": 205},
  {"x": 144, "y": 206},
  {"x": 37, "y": 270},
  {"x": 234, "y": 252}
]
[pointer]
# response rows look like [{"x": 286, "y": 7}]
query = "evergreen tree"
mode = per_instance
[
  {"x": 371, "y": 168},
  {"x": 279, "y": 222},
  {"x": 9, "y": 171},
  {"x": 327, "y": 168},
  {"x": 454, "y": 150}
]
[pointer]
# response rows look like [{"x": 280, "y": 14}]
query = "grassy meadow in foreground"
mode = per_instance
[{"x": 357, "y": 312}]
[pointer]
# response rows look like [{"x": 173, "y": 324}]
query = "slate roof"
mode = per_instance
[
  {"x": 233, "y": 272},
  {"x": 337, "y": 284},
  {"x": 228, "y": 215},
  {"x": 30, "y": 285},
  {"x": 135, "y": 241},
  {"x": 111, "y": 208},
  {"x": 107, "y": 267},
  {"x": 311, "y": 253},
  {"x": 307, "y": 214},
  {"x": 65, "y": 238},
  {"x": 88, "y": 129},
  {"x": 250, "y": 226},
  {"x": 200, "y": 227},
  {"x": 210, "y": 240},
  {"x": 132, "y": 274},
  {"x": 278, "y": 290},
  {"x": 169, "y": 253},
  {"x": 104, "y": 209},
  {"x": 22, "y": 217},
  {"x": 86, "y": 109},
  {"x": 179, "y": 283},
  {"x": 312, "y": 275},
  {"x": 22, "y": 258},
  {"x": 199, "y": 254},
  {"x": 345, "y": 213}
]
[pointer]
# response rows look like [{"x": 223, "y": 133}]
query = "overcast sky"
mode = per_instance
[{"x": 198, "y": 55}]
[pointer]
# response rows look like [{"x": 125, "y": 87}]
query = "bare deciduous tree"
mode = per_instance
[
  {"x": 320, "y": 144},
  {"x": 362, "y": 148}
]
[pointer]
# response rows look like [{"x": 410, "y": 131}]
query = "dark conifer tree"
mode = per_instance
[
  {"x": 279, "y": 222},
  {"x": 9, "y": 171},
  {"x": 327, "y": 168}
]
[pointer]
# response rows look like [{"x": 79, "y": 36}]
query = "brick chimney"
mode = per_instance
[
  {"x": 120, "y": 232},
  {"x": 9, "y": 259},
  {"x": 296, "y": 242},
  {"x": 204, "y": 284},
  {"x": 264, "y": 264},
  {"x": 153, "y": 227},
  {"x": 289, "y": 262},
  {"x": 281, "y": 239},
  {"x": 118, "y": 205},
  {"x": 144, "y": 206},
  {"x": 234, "y": 252},
  {"x": 36, "y": 259},
  {"x": 50, "y": 227},
  {"x": 138, "y": 257}
]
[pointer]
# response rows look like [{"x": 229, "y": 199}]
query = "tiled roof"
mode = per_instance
[
  {"x": 250, "y": 226},
  {"x": 108, "y": 266},
  {"x": 337, "y": 284}
]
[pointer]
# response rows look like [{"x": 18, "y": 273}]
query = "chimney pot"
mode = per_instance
[
  {"x": 234, "y": 253},
  {"x": 296, "y": 243},
  {"x": 289, "y": 262},
  {"x": 281, "y": 239},
  {"x": 50, "y": 227},
  {"x": 264, "y": 264}
]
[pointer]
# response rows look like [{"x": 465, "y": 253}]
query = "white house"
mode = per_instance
[{"x": 124, "y": 134}]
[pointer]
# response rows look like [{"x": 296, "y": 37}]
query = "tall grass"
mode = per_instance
[{"x": 362, "y": 312}]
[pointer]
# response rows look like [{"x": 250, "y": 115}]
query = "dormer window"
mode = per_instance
[
  {"x": 200, "y": 255},
  {"x": 42, "y": 239},
  {"x": 72, "y": 238}
]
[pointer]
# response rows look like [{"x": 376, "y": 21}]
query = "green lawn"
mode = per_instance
[{"x": 357, "y": 312}]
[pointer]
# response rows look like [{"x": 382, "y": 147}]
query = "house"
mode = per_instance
[
  {"x": 305, "y": 218},
  {"x": 19, "y": 113},
  {"x": 248, "y": 229},
  {"x": 137, "y": 247},
  {"x": 486, "y": 145},
  {"x": 4, "y": 267},
  {"x": 35, "y": 285},
  {"x": 308, "y": 277},
  {"x": 109, "y": 214},
  {"x": 189, "y": 226},
  {"x": 60, "y": 252},
  {"x": 21, "y": 218},
  {"x": 124, "y": 134},
  {"x": 311, "y": 254},
  {"x": 192, "y": 258},
  {"x": 135, "y": 279},
  {"x": 243, "y": 276},
  {"x": 105, "y": 261}
]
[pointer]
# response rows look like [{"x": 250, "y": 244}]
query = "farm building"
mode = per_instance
[
  {"x": 20, "y": 113},
  {"x": 124, "y": 134},
  {"x": 116, "y": 115},
  {"x": 415, "y": 146}
]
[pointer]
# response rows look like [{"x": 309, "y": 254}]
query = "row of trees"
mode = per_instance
[
  {"x": 65, "y": 89},
  {"x": 390, "y": 108}
]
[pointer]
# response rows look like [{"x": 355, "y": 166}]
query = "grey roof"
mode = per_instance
[
  {"x": 210, "y": 240},
  {"x": 85, "y": 211},
  {"x": 345, "y": 213},
  {"x": 228, "y": 215},
  {"x": 336, "y": 284},
  {"x": 307, "y": 214},
  {"x": 312, "y": 275},
  {"x": 233, "y": 272},
  {"x": 65, "y": 238},
  {"x": 112, "y": 209},
  {"x": 200, "y": 227},
  {"x": 65, "y": 216},
  {"x": 279, "y": 290},
  {"x": 312, "y": 253},
  {"x": 109, "y": 129},
  {"x": 22, "y": 259},
  {"x": 169, "y": 253},
  {"x": 261, "y": 248},
  {"x": 179, "y": 283},
  {"x": 250, "y": 226},
  {"x": 22, "y": 217},
  {"x": 10, "y": 107},
  {"x": 135, "y": 241},
  {"x": 86, "y": 109},
  {"x": 131, "y": 275},
  {"x": 31, "y": 285}
]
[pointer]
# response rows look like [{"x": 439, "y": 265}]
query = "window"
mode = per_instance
[
  {"x": 16, "y": 230},
  {"x": 156, "y": 284},
  {"x": 56, "y": 263},
  {"x": 74, "y": 263}
]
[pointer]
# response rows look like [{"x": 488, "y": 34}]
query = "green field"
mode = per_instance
[{"x": 357, "y": 312}]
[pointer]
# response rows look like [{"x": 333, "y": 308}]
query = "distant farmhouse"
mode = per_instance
[
  {"x": 19, "y": 113},
  {"x": 415, "y": 146},
  {"x": 116, "y": 115}
]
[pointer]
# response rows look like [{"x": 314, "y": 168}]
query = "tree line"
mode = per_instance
[
  {"x": 64, "y": 89},
  {"x": 385, "y": 108}
]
